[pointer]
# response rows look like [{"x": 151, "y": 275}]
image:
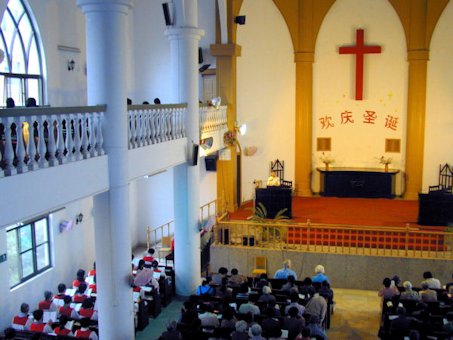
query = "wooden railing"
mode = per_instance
[
  {"x": 336, "y": 239},
  {"x": 36, "y": 138},
  {"x": 154, "y": 235}
]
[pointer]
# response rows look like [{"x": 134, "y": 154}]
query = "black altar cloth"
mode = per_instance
[{"x": 275, "y": 199}]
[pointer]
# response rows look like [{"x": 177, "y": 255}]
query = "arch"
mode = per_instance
[{"x": 21, "y": 73}]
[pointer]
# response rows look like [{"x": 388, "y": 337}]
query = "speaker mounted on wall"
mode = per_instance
[
  {"x": 240, "y": 20},
  {"x": 167, "y": 15},
  {"x": 194, "y": 160}
]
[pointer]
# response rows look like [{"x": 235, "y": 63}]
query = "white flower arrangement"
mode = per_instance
[
  {"x": 326, "y": 159},
  {"x": 385, "y": 161}
]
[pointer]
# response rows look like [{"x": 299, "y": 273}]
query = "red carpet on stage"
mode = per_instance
[{"x": 353, "y": 211}]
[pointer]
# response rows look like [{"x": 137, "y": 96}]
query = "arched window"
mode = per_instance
[{"x": 21, "y": 70}]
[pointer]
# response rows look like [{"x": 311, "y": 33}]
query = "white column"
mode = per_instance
[
  {"x": 184, "y": 41},
  {"x": 106, "y": 27}
]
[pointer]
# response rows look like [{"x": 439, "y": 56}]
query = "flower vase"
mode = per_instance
[
  {"x": 386, "y": 167},
  {"x": 327, "y": 166}
]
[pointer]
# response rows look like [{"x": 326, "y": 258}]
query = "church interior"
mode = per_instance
[{"x": 158, "y": 124}]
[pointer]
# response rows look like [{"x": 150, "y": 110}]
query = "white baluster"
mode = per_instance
[
  {"x": 146, "y": 131},
  {"x": 166, "y": 125},
  {"x": 32, "y": 139},
  {"x": 183, "y": 122},
  {"x": 51, "y": 141},
  {"x": 91, "y": 130},
  {"x": 153, "y": 126},
  {"x": 20, "y": 147},
  {"x": 70, "y": 135},
  {"x": 99, "y": 136},
  {"x": 77, "y": 140},
  {"x": 9, "y": 151},
  {"x": 156, "y": 126},
  {"x": 42, "y": 148},
  {"x": 84, "y": 134},
  {"x": 60, "y": 145},
  {"x": 139, "y": 129},
  {"x": 131, "y": 130}
]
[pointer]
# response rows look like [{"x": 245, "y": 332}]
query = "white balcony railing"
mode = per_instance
[
  {"x": 212, "y": 119},
  {"x": 68, "y": 134},
  {"x": 36, "y": 138},
  {"x": 155, "y": 124}
]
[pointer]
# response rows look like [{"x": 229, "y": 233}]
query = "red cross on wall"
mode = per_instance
[{"x": 359, "y": 49}]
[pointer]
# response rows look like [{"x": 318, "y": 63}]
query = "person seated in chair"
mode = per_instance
[
  {"x": 87, "y": 310},
  {"x": 285, "y": 271},
  {"x": 271, "y": 324},
  {"x": 427, "y": 294},
  {"x": 250, "y": 306},
  {"x": 80, "y": 295},
  {"x": 85, "y": 332},
  {"x": 320, "y": 275},
  {"x": 67, "y": 310},
  {"x": 20, "y": 320},
  {"x": 241, "y": 331},
  {"x": 431, "y": 281},
  {"x": 37, "y": 325},
  {"x": 149, "y": 257},
  {"x": 47, "y": 303},
  {"x": 61, "y": 328},
  {"x": 80, "y": 277},
  {"x": 217, "y": 278},
  {"x": 294, "y": 297},
  {"x": 388, "y": 291},
  {"x": 207, "y": 316},
  {"x": 408, "y": 293},
  {"x": 267, "y": 296},
  {"x": 273, "y": 180},
  {"x": 290, "y": 284},
  {"x": 294, "y": 323},
  {"x": 236, "y": 279},
  {"x": 205, "y": 288},
  {"x": 61, "y": 292}
]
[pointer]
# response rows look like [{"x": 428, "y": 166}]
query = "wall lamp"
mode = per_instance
[{"x": 79, "y": 218}]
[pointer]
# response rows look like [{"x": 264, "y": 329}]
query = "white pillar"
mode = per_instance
[
  {"x": 106, "y": 27},
  {"x": 184, "y": 41}
]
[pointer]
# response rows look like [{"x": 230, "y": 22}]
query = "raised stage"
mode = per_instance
[{"x": 380, "y": 212}]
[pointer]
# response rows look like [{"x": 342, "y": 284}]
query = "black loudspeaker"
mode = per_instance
[
  {"x": 167, "y": 14},
  {"x": 195, "y": 154},
  {"x": 240, "y": 20},
  {"x": 200, "y": 55},
  {"x": 211, "y": 162}
]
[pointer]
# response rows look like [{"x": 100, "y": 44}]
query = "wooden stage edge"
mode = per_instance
[{"x": 371, "y": 212}]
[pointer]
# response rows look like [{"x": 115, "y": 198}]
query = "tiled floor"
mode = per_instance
[{"x": 356, "y": 316}]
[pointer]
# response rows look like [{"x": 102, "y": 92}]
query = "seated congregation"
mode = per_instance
[
  {"x": 229, "y": 305},
  {"x": 72, "y": 312},
  {"x": 422, "y": 312}
]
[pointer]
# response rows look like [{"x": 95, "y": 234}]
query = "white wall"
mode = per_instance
[
  {"x": 153, "y": 198},
  {"x": 385, "y": 84},
  {"x": 439, "y": 101},
  {"x": 73, "y": 249},
  {"x": 265, "y": 92},
  {"x": 62, "y": 23}
]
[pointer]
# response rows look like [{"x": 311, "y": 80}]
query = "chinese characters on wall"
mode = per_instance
[{"x": 389, "y": 121}]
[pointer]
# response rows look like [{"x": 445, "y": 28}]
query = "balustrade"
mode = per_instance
[
  {"x": 212, "y": 119},
  {"x": 34, "y": 138},
  {"x": 155, "y": 124}
]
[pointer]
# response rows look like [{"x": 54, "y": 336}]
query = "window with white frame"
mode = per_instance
[
  {"x": 28, "y": 250},
  {"x": 21, "y": 69}
]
